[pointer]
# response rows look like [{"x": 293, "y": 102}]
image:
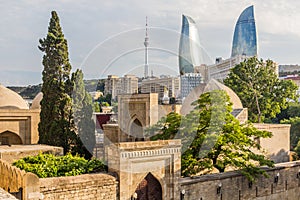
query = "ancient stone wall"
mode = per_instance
[
  {"x": 28, "y": 186},
  {"x": 11, "y": 178},
  {"x": 23, "y": 185},
  {"x": 283, "y": 183},
  {"x": 87, "y": 186}
]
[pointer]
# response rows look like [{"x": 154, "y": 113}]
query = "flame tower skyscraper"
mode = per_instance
[
  {"x": 190, "y": 54},
  {"x": 245, "y": 36}
]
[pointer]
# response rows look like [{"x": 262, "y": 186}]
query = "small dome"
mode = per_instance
[
  {"x": 36, "y": 101},
  {"x": 11, "y": 100},
  {"x": 206, "y": 87}
]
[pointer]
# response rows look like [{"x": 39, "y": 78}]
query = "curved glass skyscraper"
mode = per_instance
[
  {"x": 244, "y": 38},
  {"x": 189, "y": 46}
]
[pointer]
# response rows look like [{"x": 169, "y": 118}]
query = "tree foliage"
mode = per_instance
[
  {"x": 166, "y": 128},
  {"x": 56, "y": 125},
  {"x": 48, "y": 165},
  {"x": 83, "y": 111},
  {"x": 257, "y": 85},
  {"x": 213, "y": 139},
  {"x": 291, "y": 116},
  {"x": 295, "y": 130}
]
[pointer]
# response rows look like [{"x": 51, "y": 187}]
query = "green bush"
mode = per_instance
[{"x": 48, "y": 165}]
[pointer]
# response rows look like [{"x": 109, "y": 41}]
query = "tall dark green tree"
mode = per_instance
[
  {"x": 257, "y": 85},
  {"x": 56, "y": 126},
  {"x": 213, "y": 139},
  {"x": 83, "y": 111}
]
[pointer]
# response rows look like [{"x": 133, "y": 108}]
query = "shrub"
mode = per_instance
[{"x": 48, "y": 165}]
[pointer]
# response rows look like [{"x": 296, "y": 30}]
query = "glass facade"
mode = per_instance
[
  {"x": 245, "y": 38},
  {"x": 188, "y": 82},
  {"x": 189, "y": 46}
]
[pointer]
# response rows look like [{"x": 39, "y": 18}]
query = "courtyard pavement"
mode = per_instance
[{"x": 5, "y": 195}]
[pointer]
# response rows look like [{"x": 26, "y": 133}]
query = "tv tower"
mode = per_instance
[{"x": 146, "y": 43}]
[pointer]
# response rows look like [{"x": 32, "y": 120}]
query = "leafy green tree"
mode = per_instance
[
  {"x": 166, "y": 128},
  {"x": 105, "y": 104},
  {"x": 297, "y": 150},
  {"x": 257, "y": 85},
  {"x": 213, "y": 139},
  {"x": 295, "y": 130},
  {"x": 56, "y": 126},
  {"x": 292, "y": 110},
  {"x": 100, "y": 85},
  {"x": 83, "y": 111},
  {"x": 106, "y": 99},
  {"x": 96, "y": 106}
]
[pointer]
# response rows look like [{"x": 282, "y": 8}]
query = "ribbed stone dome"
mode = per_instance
[
  {"x": 206, "y": 87},
  {"x": 11, "y": 100},
  {"x": 36, "y": 101}
]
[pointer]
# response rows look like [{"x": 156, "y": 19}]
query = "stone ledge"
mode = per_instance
[{"x": 149, "y": 144}]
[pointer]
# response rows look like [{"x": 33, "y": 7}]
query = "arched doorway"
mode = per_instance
[
  {"x": 9, "y": 138},
  {"x": 136, "y": 130},
  {"x": 149, "y": 189}
]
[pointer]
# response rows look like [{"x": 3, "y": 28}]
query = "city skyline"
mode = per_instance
[{"x": 118, "y": 36}]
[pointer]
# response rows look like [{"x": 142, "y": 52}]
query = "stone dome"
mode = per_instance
[
  {"x": 36, "y": 101},
  {"x": 206, "y": 87},
  {"x": 11, "y": 100}
]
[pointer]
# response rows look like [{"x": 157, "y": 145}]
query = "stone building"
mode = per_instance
[
  {"x": 18, "y": 122},
  {"x": 145, "y": 169},
  {"x": 151, "y": 169}
]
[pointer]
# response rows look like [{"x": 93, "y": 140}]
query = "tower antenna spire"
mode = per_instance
[{"x": 146, "y": 43}]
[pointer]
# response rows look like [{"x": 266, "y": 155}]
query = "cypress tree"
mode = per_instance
[
  {"x": 83, "y": 110},
  {"x": 56, "y": 125}
]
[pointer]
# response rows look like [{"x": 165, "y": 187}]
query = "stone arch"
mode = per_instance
[
  {"x": 149, "y": 188},
  {"x": 10, "y": 138},
  {"x": 136, "y": 129}
]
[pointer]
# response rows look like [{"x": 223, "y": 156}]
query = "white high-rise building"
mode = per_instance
[{"x": 221, "y": 68}]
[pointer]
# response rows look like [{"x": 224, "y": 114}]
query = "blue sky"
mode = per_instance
[{"x": 106, "y": 37}]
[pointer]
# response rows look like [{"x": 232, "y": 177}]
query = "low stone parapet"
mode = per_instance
[
  {"x": 86, "y": 186},
  {"x": 283, "y": 183}
]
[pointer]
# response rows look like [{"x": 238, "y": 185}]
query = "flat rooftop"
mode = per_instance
[
  {"x": 22, "y": 148},
  {"x": 11, "y": 153}
]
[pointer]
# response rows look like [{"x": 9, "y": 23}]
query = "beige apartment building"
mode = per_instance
[
  {"x": 115, "y": 85},
  {"x": 158, "y": 85}
]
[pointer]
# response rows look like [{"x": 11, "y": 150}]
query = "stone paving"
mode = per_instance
[{"x": 5, "y": 195}]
